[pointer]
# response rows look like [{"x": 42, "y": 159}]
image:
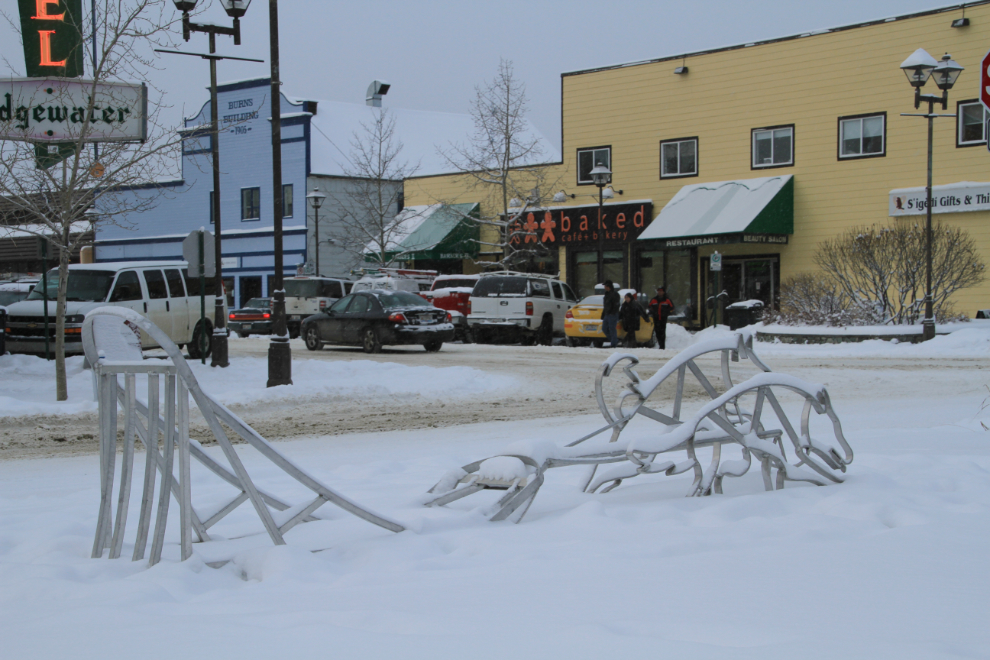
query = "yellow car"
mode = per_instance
[{"x": 583, "y": 324}]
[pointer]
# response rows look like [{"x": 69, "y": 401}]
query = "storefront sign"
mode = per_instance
[
  {"x": 723, "y": 239},
  {"x": 952, "y": 198},
  {"x": 51, "y": 31},
  {"x": 56, "y": 110},
  {"x": 581, "y": 225}
]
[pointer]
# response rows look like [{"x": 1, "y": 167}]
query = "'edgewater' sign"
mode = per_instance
[
  {"x": 951, "y": 198},
  {"x": 57, "y": 110}
]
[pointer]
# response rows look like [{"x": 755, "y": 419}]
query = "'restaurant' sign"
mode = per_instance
[
  {"x": 952, "y": 198},
  {"x": 581, "y": 225},
  {"x": 57, "y": 110}
]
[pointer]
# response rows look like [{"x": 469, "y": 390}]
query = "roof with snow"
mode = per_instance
[{"x": 421, "y": 133}]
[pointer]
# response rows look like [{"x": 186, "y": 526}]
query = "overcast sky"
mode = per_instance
[{"x": 434, "y": 52}]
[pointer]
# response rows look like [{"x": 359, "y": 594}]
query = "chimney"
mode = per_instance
[{"x": 376, "y": 90}]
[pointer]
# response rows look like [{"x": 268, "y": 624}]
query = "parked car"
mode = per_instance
[
  {"x": 583, "y": 323},
  {"x": 519, "y": 307},
  {"x": 453, "y": 293},
  {"x": 372, "y": 319},
  {"x": 254, "y": 318},
  {"x": 305, "y": 296},
  {"x": 394, "y": 279},
  {"x": 11, "y": 292},
  {"x": 159, "y": 290}
]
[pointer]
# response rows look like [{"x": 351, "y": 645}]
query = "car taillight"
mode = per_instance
[
  {"x": 266, "y": 315},
  {"x": 449, "y": 317},
  {"x": 529, "y": 308},
  {"x": 568, "y": 315},
  {"x": 397, "y": 317},
  {"x": 231, "y": 317}
]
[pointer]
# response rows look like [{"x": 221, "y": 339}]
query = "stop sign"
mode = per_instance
[{"x": 985, "y": 81}]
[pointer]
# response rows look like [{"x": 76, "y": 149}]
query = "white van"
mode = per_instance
[
  {"x": 307, "y": 295},
  {"x": 160, "y": 290}
]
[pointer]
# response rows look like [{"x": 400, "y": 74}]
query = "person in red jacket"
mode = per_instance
[{"x": 660, "y": 308}]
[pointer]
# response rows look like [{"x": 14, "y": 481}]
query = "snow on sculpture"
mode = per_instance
[
  {"x": 750, "y": 415},
  {"x": 109, "y": 341}
]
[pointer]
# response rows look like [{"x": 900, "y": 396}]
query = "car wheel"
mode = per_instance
[
  {"x": 570, "y": 342},
  {"x": 370, "y": 341},
  {"x": 544, "y": 335},
  {"x": 467, "y": 337},
  {"x": 313, "y": 341},
  {"x": 433, "y": 345},
  {"x": 243, "y": 335},
  {"x": 597, "y": 343},
  {"x": 201, "y": 345},
  {"x": 481, "y": 337},
  {"x": 293, "y": 333}
]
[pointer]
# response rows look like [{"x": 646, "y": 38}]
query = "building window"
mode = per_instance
[
  {"x": 863, "y": 136},
  {"x": 589, "y": 159},
  {"x": 971, "y": 120},
  {"x": 773, "y": 146},
  {"x": 250, "y": 203},
  {"x": 679, "y": 157},
  {"x": 213, "y": 220},
  {"x": 287, "y": 200}
]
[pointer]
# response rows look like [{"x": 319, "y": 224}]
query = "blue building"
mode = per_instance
[{"x": 317, "y": 139}]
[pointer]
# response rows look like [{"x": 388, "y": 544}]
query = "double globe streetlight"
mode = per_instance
[{"x": 918, "y": 68}]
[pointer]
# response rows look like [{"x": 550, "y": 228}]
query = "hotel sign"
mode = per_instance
[
  {"x": 51, "y": 31},
  {"x": 952, "y": 198},
  {"x": 56, "y": 110},
  {"x": 580, "y": 225}
]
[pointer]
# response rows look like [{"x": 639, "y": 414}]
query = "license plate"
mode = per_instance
[
  {"x": 246, "y": 326},
  {"x": 593, "y": 327}
]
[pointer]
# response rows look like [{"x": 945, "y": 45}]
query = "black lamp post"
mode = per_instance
[
  {"x": 316, "y": 199},
  {"x": 918, "y": 68},
  {"x": 601, "y": 176},
  {"x": 235, "y": 9},
  {"x": 279, "y": 352}
]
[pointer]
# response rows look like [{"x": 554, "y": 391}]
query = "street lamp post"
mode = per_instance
[
  {"x": 316, "y": 199},
  {"x": 918, "y": 68},
  {"x": 279, "y": 352},
  {"x": 235, "y": 9},
  {"x": 601, "y": 176}
]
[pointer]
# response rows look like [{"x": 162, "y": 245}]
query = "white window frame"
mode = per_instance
[
  {"x": 861, "y": 118},
  {"x": 594, "y": 151},
  {"x": 959, "y": 124},
  {"x": 772, "y": 130},
  {"x": 663, "y": 161}
]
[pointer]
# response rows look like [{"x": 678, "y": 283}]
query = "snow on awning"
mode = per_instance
[
  {"x": 437, "y": 231},
  {"x": 743, "y": 211}
]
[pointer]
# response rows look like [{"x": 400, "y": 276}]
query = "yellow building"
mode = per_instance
[{"x": 760, "y": 152}]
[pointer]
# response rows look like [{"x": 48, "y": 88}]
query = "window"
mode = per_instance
[
  {"x": 126, "y": 288},
  {"x": 213, "y": 220},
  {"x": 773, "y": 146},
  {"x": 359, "y": 305},
  {"x": 863, "y": 136},
  {"x": 971, "y": 120},
  {"x": 287, "y": 200},
  {"x": 155, "y": 282},
  {"x": 588, "y": 159},
  {"x": 679, "y": 158},
  {"x": 539, "y": 289},
  {"x": 250, "y": 203},
  {"x": 175, "y": 288}
]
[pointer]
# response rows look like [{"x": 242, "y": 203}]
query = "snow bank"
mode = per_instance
[{"x": 27, "y": 387}]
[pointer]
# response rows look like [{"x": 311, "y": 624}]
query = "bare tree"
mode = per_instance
[
  {"x": 880, "y": 270},
  {"x": 60, "y": 201},
  {"x": 368, "y": 222},
  {"x": 503, "y": 163}
]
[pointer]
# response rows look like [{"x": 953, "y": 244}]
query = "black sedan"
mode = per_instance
[
  {"x": 254, "y": 318},
  {"x": 372, "y": 319}
]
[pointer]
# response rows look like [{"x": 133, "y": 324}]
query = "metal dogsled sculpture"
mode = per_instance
[
  {"x": 759, "y": 430},
  {"x": 112, "y": 346}
]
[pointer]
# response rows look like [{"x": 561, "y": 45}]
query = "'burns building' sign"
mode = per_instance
[{"x": 581, "y": 225}]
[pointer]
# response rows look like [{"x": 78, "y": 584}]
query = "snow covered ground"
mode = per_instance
[{"x": 890, "y": 564}]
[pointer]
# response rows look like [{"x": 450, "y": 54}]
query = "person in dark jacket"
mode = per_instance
[
  {"x": 630, "y": 313},
  {"x": 610, "y": 314},
  {"x": 660, "y": 308}
]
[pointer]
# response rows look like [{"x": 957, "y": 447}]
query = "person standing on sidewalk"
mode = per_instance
[
  {"x": 660, "y": 308},
  {"x": 610, "y": 314}
]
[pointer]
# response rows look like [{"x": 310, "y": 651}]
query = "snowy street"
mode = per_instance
[{"x": 891, "y": 563}]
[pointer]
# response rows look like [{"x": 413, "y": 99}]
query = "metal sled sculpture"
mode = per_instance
[
  {"x": 112, "y": 346},
  {"x": 759, "y": 430}
]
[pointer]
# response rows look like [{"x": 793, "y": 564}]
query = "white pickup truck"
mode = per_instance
[{"x": 519, "y": 306}]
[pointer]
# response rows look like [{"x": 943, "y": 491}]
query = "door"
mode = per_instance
[
  {"x": 158, "y": 307},
  {"x": 332, "y": 325},
  {"x": 355, "y": 319},
  {"x": 127, "y": 293},
  {"x": 181, "y": 328}
]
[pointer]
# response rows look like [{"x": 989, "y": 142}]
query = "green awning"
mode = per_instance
[
  {"x": 435, "y": 232},
  {"x": 727, "y": 212}
]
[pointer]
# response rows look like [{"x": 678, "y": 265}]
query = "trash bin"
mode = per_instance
[{"x": 743, "y": 313}]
